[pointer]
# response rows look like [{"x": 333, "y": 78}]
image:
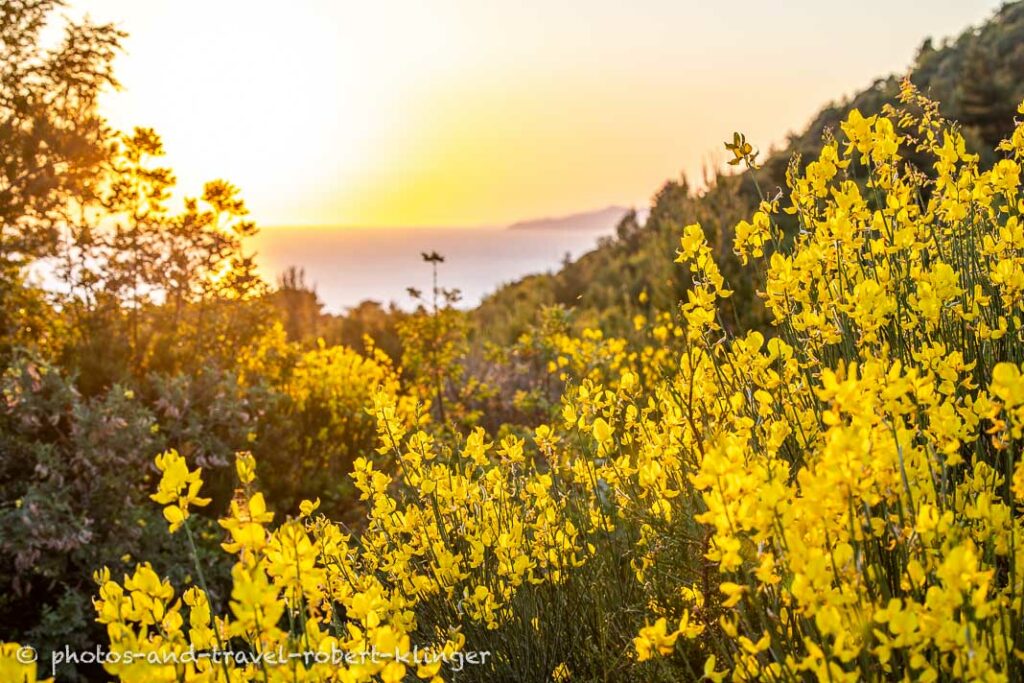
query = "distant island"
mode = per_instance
[{"x": 601, "y": 219}]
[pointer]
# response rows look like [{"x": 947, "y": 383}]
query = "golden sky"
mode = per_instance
[{"x": 470, "y": 112}]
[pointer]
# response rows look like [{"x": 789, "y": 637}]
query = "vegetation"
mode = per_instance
[
  {"x": 771, "y": 434},
  {"x": 976, "y": 80}
]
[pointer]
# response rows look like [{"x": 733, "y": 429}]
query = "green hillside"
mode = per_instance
[{"x": 977, "y": 79}]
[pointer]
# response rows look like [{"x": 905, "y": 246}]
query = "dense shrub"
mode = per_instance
[{"x": 838, "y": 501}]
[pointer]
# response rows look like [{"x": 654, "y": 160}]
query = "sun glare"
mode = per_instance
[{"x": 401, "y": 113}]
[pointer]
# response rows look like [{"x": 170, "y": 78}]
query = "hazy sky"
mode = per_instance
[{"x": 463, "y": 112}]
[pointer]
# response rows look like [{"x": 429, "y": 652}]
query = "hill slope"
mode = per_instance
[
  {"x": 601, "y": 219},
  {"x": 977, "y": 79}
]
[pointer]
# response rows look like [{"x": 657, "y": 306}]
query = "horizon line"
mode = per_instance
[{"x": 477, "y": 226}]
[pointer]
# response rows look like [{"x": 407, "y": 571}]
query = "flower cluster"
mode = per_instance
[
  {"x": 179, "y": 488},
  {"x": 858, "y": 473},
  {"x": 838, "y": 497}
]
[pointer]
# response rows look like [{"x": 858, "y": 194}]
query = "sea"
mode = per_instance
[{"x": 349, "y": 265}]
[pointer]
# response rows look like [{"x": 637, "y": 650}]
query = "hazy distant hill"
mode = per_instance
[{"x": 603, "y": 219}]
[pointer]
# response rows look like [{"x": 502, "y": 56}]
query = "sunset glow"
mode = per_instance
[{"x": 458, "y": 113}]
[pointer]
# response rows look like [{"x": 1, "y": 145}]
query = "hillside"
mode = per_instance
[
  {"x": 976, "y": 79},
  {"x": 599, "y": 220}
]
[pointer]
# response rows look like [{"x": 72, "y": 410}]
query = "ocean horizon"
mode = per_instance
[{"x": 349, "y": 265}]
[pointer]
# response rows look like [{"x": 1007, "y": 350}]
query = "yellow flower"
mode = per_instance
[
  {"x": 245, "y": 467},
  {"x": 561, "y": 673},
  {"x": 1008, "y": 385},
  {"x": 178, "y": 488},
  {"x": 750, "y": 238},
  {"x": 655, "y": 639},
  {"x": 307, "y": 507},
  {"x": 602, "y": 431},
  {"x": 690, "y": 243},
  {"x": 709, "y": 670},
  {"x": 733, "y": 591},
  {"x": 18, "y": 664}
]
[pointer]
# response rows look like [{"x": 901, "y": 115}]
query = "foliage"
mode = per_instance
[
  {"x": 322, "y": 425},
  {"x": 769, "y": 434},
  {"x": 66, "y": 506},
  {"x": 840, "y": 501},
  {"x": 52, "y": 141},
  {"x": 603, "y": 286},
  {"x": 435, "y": 346}
]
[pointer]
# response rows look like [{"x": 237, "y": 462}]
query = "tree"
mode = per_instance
[
  {"x": 434, "y": 341},
  {"x": 299, "y": 305},
  {"x": 53, "y": 141}
]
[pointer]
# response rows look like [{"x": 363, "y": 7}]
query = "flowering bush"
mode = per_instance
[
  {"x": 322, "y": 424},
  {"x": 860, "y": 473},
  {"x": 839, "y": 499}
]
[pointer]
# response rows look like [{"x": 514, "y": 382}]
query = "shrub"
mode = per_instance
[{"x": 840, "y": 499}]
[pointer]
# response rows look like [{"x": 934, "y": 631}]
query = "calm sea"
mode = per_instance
[{"x": 350, "y": 265}]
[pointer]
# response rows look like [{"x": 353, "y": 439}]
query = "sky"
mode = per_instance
[{"x": 461, "y": 112}]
